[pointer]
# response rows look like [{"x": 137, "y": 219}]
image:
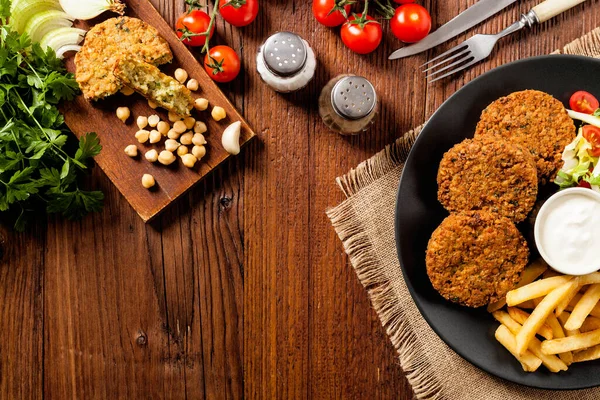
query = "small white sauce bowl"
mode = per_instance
[{"x": 564, "y": 266}]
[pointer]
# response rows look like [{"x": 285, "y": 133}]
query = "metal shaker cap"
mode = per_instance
[
  {"x": 353, "y": 97},
  {"x": 284, "y": 53}
]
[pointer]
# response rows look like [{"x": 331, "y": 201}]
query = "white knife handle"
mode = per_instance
[{"x": 551, "y": 8}]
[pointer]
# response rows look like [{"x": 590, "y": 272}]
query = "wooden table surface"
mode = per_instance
[{"x": 241, "y": 288}]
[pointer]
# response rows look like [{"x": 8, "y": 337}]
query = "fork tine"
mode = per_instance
[
  {"x": 466, "y": 51},
  {"x": 475, "y": 60},
  {"x": 452, "y": 50},
  {"x": 447, "y": 67}
]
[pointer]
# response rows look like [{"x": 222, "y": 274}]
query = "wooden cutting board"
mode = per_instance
[{"x": 126, "y": 173}]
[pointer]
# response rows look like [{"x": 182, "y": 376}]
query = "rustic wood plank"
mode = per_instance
[{"x": 83, "y": 116}]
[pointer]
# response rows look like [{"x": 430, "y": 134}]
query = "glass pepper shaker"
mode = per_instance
[
  {"x": 286, "y": 62},
  {"x": 348, "y": 104}
]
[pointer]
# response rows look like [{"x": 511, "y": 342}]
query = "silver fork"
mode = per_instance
[{"x": 478, "y": 47}]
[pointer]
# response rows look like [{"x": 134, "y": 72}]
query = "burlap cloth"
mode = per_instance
[{"x": 365, "y": 224}]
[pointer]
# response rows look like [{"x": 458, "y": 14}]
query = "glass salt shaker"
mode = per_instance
[
  {"x": 286, "y": 62},
  {"x": 348, "y": 104}
]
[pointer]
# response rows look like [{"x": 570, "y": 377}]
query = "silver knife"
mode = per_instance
[{"x": 473, "y": 15}]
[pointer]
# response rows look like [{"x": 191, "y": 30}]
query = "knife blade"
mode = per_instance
[{"x": 473, "y": 15}]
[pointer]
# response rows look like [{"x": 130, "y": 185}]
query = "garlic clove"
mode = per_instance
[{"x": 231, "y": 138}]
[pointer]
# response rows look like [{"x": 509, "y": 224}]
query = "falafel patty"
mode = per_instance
[
  {"x": 475, "y": 257},
  {"x": 488, "y": 173},
  {"x": 110, "y": 40},
  {"x": 535, "y": 120}
]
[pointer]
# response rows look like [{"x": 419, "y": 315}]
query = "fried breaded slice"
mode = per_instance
[
  {"x": 147, "y": 80},
  {"x": 110, "y": 40}
]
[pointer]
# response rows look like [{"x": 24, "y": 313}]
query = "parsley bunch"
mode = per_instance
[{"x": 38, "y": 164}]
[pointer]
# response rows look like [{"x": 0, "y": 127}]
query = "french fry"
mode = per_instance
[
  {"x": 563, "y": 304},
  {"x": 541, "y": 312},
  {"x": 553, "y": 363},
  {"x": 593, "y": 353},
  {"x": 535, "y": 289},
  {"x": 530, "y": 274},
  {"x": 529, "y": 362},
  {"x": 583, "y": 308},
  {"x": 590, "y": 324},
  {"x": 521, "y": 316},
  {"x": 529, "y": 305},
  {"x": 550, "y": 273},
  {"x": 572, "y": 343},
  {"x": 558, "y": 332},
  {"x": 563, "y": 318},
  {"x": 589, "y": 279}
]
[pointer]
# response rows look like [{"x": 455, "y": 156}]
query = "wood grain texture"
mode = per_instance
[
  {"x": 126, "y": 173},
  {"x": 240, "y": 288}
]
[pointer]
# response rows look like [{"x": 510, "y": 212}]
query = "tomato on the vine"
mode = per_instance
[
  {"x": 331, "y": 12},
  {"x": 411, "y": 23},
  {"x": 592, "y": 135},
  {"x": 583, "y": 102},
  {"x": 239, "y": 12},
  {"x": 222, "y": 64},
  {"x": 191, "y": 26},
  {"x": 361, "y": 34}
]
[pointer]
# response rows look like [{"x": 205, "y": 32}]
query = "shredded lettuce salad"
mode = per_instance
[{"x": 579, "y": 165}]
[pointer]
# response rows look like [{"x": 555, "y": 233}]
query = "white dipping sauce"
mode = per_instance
[{"x": 567, "y": 231}]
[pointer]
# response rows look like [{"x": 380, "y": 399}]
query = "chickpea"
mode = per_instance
[
  {"x": 153, "y": 120},
  {"x": 127, "y": 91},
  {"x": 218, "y": 113},
  {"x": 148, "y": 181},
  {"x": 173, "y": 117},
  {"x": 131, "y": 150},
  {"x": 188, "y": 160},
  {"x": 199, "y": 127},
  {"x": 152, "y": 104},
  {"x": 199, "y": 151},
  {"x": 171, "y": 145},
  {"x": 166, "y": 157},
  {"x": 192, "y": 85},
  {"x": 142, "y": 135},
  {"x": 198, "y": 139},
  {"x": 181, "y": 75},
  {"x": 189, "y": 122},
  {"x": 201, "y": 104},
  {"x": 179, "y": 127},
  {"x": 142, "y": 122},
  {"x": 155, "y": 136},
  {"x": 182, "y": 150},
  {"x": 173, "y": 135},
  {"x": 186, "y": 138},
  {"x": 163, "y": 127},
  {"x": 123, "y": 113},
  {"x": 151, "y": 155}
]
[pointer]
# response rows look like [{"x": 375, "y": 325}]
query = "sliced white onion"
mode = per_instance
[
  {"x": 69, "y": 47},
  {"x": 46, "y": 21},
  {"x": 88, "y": 9},
  {"x": 24, "y": 10},
  {"x": 62, "y": 37},
  {"x": 587, "y": 118}
]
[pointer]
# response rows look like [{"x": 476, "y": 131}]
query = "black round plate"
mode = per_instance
[{"x": 470, "y": 332}]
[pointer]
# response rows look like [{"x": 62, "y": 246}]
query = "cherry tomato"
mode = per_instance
[
  {"x": 189, "y": 27},
  {"x": 592, "y": 135},
  {"x": 583, "y": 102},
  {"x": 584, "y": 184},
  {"x": 329, "y": 12},
  {"x": 222, "y": 63},
  {"x": 239, "y": 12},
  {"x": 411, "y": 23},
  {"x": 361, "y": 35}
]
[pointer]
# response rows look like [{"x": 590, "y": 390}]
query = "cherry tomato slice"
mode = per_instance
[
  {"x": 592, "y": 135},
  {"x": 584, "y": 184},
  {"x": 328, "y": 12},
  {"x": 584, "y": 102}
]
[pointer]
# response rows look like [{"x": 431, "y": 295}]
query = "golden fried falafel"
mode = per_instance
[
  {"x": 147, "y": 80},
  {"x": 488, "y": 173},
  {"x": 535, "y": 120},
  {"x": 110, "y": 40},
  {"x": 475, "y": 257}
]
